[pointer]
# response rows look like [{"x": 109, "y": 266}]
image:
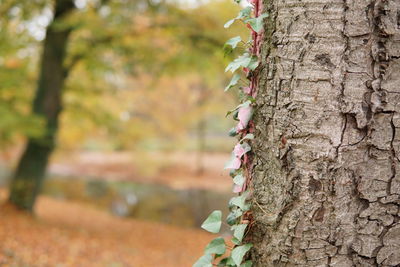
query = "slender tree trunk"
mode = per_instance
[
  {"x": 203, "y": 95},
  {"x": 31, "y": 168},
  {"x": 201, "y": 145},
  {"x": 326, "y": 174}
]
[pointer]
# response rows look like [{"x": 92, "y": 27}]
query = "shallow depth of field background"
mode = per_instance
[{"x": 143, "y": 135}]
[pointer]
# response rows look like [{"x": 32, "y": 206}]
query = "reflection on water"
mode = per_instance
[{"x": 184, "y": 208}]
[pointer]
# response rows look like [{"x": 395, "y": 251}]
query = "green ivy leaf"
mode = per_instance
[
  {"x": 232, "y": 132},
  {"x": 238, "y": 253},
  {"x": 253, "y": 64},
  {"x": 257, "y": 23},
  {"x": 229, "y": 23},
  {"x": 233, "y": 41},
  {"x": 216, "y": 246},
  {"x": 248, "y": 263},
  {"x": 239, "y": 180},
  {"x": 213, "y": 223},
  {"x": 239, "y": 231},
  {"x": 245, "y": 13},
  {"x": 243, "y": 105},
  {"x": 233, "y": 215},
  {"x": 247, "y": 137},
  {"x": 233, "y": 82},
  {"x": 204, "y": 261},
  {"x": 222, "y": 263},
  {"x": 245, "y": 61},
  {"x": 240, "y": 201},
  {"x": 246, "y": 147},
  {"x": 242, "y": 61},
  {"x": 235, "y": 115},
  {"x": 226, "y": 262},
  {"x": 233, "y": 173},
  {"x": 230, "y": 262}
]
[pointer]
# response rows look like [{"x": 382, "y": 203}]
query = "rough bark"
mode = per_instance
[
  {"x": 31, "y": 168},
  {"x": 326, "y": 176}
]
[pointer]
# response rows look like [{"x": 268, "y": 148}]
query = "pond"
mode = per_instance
[{"x": 154, "y": 202}]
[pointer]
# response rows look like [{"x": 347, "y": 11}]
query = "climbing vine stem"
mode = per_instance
[{"x": 217, "y": 252}]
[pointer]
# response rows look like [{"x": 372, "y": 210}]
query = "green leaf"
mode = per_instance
[
  {"x": 227, "y": 50},
  {"x": 222, "y": 263},
  {"x": 213, "y": 223},
  {"x": 253, "y": 64},
  {"x": 245, "y": 61},
  {"x": 226, "y": 262},
  {"x": 243, "y": 105},
  {"x": 230, "y": 262},
  {"x": 244, "y": 13},
  {"x": 231, "y": 219},
  {"x": 204, "y": 261},
  {"x": 239, "y": 231},
  {"x": 229, "y": 23},
  {"x": 242, "y": 61},
  {"x": 216, "y": 246},
  {"x": 256, "y": 23},
  {"x": 247, "y": 137},
  {"x": 233, "y": 41},
  {"x": 248, "y": 263},
  {"x": 233, "y": 173},
  {"x": 235, "y": 115},
  {"x": 232, "y": 132},
  {"x": 238, "y": 253},
  {"x": 240, "y": 201},
  {"x": 233, "y": 82},
  {"x": 239, "y": 180},
  {"x": 246, "y": 147}
]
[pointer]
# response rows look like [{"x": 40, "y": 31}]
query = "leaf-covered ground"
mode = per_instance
[{"x": 72, "y": 234}]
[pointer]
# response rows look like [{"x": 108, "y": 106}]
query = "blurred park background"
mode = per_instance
[{"x": 128, "y": 122}]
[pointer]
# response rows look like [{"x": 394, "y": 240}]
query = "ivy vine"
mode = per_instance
[{"x": 217, "y": 252}]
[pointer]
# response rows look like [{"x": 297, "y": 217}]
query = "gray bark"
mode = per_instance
[{"x": 326, "y": 174}]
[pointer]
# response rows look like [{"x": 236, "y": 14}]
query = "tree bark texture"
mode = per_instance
[
  {"x": 326, "y": 172},
  {"x": 31, "y": 168}
]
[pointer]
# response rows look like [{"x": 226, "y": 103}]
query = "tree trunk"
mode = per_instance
[
  {"x": 31, "y": 168},
  {"x": 201, "y": 145},
  {"x": 326, "y": 173}
]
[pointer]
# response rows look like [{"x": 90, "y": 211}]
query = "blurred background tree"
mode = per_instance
[{"x": 128, "y": 75}]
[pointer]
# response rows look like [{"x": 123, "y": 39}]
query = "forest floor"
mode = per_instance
[{"x": 72, "y": 234}]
